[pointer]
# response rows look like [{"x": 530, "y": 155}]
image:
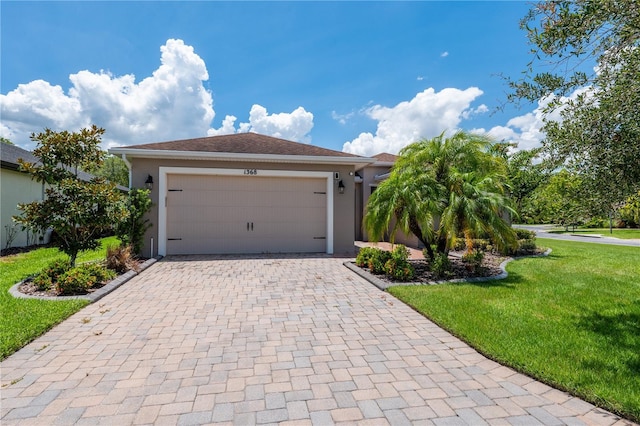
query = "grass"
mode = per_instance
[
  {"x": 623, "y": 233},
  {"x": 571, "y": 320},
  {"x": 22, "y": 320}
]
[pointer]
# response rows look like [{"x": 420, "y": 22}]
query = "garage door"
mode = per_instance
[{"x": 245, "y": 214}]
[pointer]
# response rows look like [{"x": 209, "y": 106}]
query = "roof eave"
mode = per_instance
[
  {"x": 384, "y": 164},
  {"x": 358, "y": 162}
]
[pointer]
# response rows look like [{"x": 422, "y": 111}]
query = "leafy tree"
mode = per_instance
[
  {"x": 78, "y": 211},
  {"x": 560, "y": 200},
  {"x": 599, "y": 131},
  {"x": 5, "y": 140},
  {"x": 525, "y": 175},
  {"x": 131, "y": 230},
  {"x": 630, "y": 212},
  {"x": 441, "y": 188},
  {"x": 113, "y": 169}
]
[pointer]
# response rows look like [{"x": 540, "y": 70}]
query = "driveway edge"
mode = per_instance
[
  {"x": 384, "y": 285},
  {"x": 93, "y": 297}
]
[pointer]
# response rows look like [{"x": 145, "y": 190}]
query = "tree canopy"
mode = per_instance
[
  {"x": 443, "y": 188},
  {"x": 586, "y": 62},
  {"x": 78, "y": 211}
]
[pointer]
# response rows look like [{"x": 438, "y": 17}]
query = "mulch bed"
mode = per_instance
[
  {"x": 490, "y": 268},
  {"x": 29, "y": 288}
]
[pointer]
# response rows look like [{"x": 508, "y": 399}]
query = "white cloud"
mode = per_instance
[
  {"x": 170, "y": 104},
  {"x": 342, "y": 118},
  {"x": 294, "y": 126},
  {"x": 526, "y": 129},
  {"x": 36, "y": 105},
  {"x": 444, "y": 54},
  {"x": 427, "y": 115}
]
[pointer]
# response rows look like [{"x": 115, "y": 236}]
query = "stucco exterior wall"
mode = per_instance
[
  {"x": 16, "y": 187},
  {"x": 343, "y": 204}
]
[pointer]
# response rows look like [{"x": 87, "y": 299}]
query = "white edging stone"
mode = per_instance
[{"x": 91, "y": 297}]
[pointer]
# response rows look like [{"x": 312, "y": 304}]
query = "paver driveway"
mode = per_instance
[{"x": 196, "y": 340}]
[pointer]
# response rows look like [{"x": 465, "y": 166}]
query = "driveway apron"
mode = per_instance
[{"x": 297, "y": 340}]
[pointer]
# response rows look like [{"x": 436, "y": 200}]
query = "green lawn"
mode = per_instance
[
  {"x": 571, "y": 319},
  {"x": 22, "y": 320},
  {"x": 624, "y": 233}
]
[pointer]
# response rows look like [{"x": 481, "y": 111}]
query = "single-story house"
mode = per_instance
[
  {"x": 245, "y": 193},
  {"x": 16, "y": 187},
  {"x": 367, "y": 180}
]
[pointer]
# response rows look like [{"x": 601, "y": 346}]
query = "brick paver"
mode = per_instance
[{"x": 297, "y": 340}]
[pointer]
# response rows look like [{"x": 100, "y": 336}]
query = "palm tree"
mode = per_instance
[{"x": 441, "y": 188}]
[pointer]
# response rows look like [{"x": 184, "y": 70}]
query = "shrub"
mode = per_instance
[
  {"x": 120, "y": 259},
  {"x": 80, "y": 279},
  {"x": 74, "y": 281},
  {"x": 43, "y": 282},
  {"x": 364, "y": 255},
  {"x": 473, "y": 259},
  {"x": 98, "y": 271},
  {"x": 441, "y": 265},
  {"x": 525, "y": 234},
  {"x": 378, "y": 260},
  {"x": 527, "y": 246},
  {"x": 131, "y": 231},
  {"x": 459, "y": 244},
  {"x": 480, "y": 243},
  {"x": 398, "y": 267},
  {"x": 49, "y": 275}
]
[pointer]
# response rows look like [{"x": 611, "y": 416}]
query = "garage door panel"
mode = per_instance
[{"x": 210, "y": 214}]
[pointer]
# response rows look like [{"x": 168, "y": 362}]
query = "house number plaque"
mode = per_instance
[{"x": 251, "y": 172}]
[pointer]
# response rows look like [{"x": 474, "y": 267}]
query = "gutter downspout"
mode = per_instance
[{"x": 124, "y": 158}]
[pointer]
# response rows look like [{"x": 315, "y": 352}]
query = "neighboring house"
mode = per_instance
[
  {"x": 245, "y": 193},
  {"x": 367, "y": 181},
  {"x": 16, "y": 187}
]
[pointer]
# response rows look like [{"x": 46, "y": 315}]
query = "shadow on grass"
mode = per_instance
[{"x": 621, "y": 331}]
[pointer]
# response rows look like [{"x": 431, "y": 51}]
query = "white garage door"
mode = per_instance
[{"x": 245, "y": 214}]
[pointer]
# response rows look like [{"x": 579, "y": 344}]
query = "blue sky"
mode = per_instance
[{"x": 363, "y": 77}]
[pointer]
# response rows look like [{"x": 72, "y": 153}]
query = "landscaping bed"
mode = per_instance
[
  {"x": 30, "y": 288},
  {"x": 459, "y": 270}
]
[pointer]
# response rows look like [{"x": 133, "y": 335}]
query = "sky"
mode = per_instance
[{"x": 361, "y": 77}]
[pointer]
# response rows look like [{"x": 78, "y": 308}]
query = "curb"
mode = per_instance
[
  {"x": 92, "y": 297},
  {"x": 384, "y": 285}
]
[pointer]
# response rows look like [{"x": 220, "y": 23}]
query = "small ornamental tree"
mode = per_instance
[{"x": 78, "y": 211}]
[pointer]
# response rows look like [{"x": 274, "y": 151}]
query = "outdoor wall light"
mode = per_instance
[
  {"x": 149, "y": 182},
  {"x": 341, "y": 187}
]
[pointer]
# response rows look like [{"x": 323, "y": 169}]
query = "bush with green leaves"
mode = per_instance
[
  {"x": 131, "y": 230},
  {"x": 398, "y": 267},
  {"x": 474, "y": 259},
  {"x": 441, "y": 265},
  {"x": 525, "y": 234},
  {"x": 364, "y": 255},
  {"x": 378, "y": 260},
  {"x": 83, "y": 277},
  {"x": 49, "y": 275}
]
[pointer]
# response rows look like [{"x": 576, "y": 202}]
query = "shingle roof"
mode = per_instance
[
  {"x": 385, "y": 157},
  {"x": 244, "y": 143},
  {"x": 10, "y": 154}
]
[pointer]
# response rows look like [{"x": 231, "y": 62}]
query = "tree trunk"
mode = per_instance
[
  {"x": 417, "y": 231},
  {"x": 72, "y": 259}
]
